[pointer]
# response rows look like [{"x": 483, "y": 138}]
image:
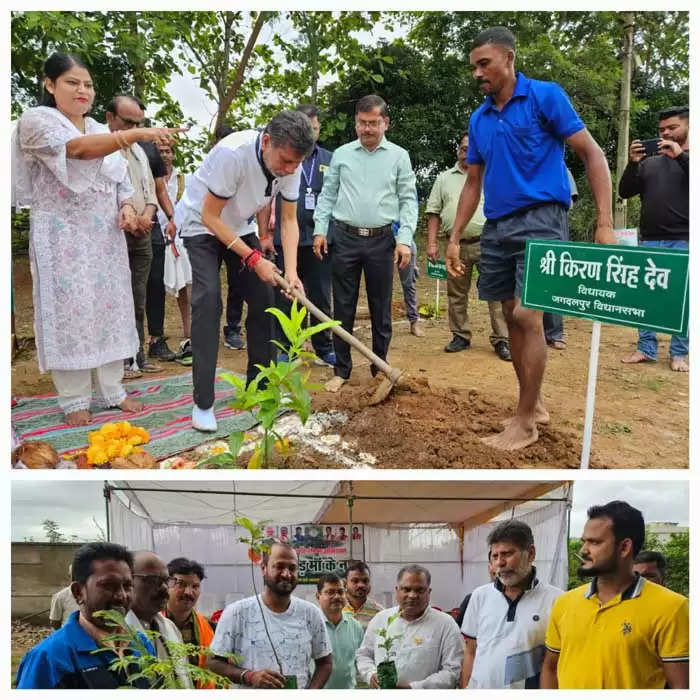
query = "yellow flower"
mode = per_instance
[
  {"x": 135, "y": 439},
  {"x": 126, "y": 450},
  {"x": 112, "y": 450},
  {"x": 96, "y": 438},
  {"x": 123, "y": 428},
  {"x": 143, "y": 433},
  {"x": 109, "y": 430},
  {"x": 97, "y": 455}
]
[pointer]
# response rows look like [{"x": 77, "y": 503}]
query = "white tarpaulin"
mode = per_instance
[{"x": 195, "y": 520}]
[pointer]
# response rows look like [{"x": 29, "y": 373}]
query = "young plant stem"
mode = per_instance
[{"x": 262, "y": 613}]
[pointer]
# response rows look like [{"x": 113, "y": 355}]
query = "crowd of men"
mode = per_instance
[
  {"x": 622, "y": 630},
  {"x": 325, "y": 219}
]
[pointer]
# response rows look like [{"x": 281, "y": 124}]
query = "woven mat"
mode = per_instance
[{"x": 167, "y": 416}]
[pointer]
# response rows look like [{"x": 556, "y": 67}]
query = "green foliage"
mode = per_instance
[
  {"x": 53, "y": 534},
  {"x": 159, "y": 673},
  {"x": 279, "y": 387},
  {"x": 389, "y": 640}
]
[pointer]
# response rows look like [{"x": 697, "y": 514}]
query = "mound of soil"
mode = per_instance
[{"x": 420, "y": 426}]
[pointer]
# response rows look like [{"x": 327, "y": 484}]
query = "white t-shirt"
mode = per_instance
[
  {"x": 509, "y": 635},
  {"x": 62, "y": 605},
  {"x": 299, "y": 635},
  {"x": 234, "y": 170}
]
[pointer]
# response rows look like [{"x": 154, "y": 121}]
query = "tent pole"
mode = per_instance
[
  {"x": 350, "y": 501},
  {"x": 107, "y": 495}
]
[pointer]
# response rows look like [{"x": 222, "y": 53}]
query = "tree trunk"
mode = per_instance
[
  {"x": 623, "y": 138},
  {"x": 230, "y": 94},
  {"x": 137, "y": 66}
]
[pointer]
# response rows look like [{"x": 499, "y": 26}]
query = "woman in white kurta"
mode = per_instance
[{"x": 68, "y": 169}]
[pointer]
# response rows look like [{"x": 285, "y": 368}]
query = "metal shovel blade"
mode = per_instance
[{"x": 384, "y": 389}]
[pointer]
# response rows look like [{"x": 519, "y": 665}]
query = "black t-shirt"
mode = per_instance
[{"x": 663, "y": 185}]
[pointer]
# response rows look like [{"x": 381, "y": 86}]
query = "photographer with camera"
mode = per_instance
[{"x": 661, "y": 178}]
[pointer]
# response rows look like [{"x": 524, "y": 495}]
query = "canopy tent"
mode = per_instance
[{"x": 439, "y": 524}]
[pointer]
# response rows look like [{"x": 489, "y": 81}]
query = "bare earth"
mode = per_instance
[{"x": 452, "y": 400}]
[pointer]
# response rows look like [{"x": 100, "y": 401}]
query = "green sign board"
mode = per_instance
[
  {"x": 640, "y": 287},
  {"x": 437, "y": 270}
]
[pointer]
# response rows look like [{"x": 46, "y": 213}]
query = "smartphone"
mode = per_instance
[{"x": 651, "y": 146}]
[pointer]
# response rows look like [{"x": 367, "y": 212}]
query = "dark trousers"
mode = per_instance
[
  {"x": 155, "y": 292},
  {"x": 234, "y": 299},
  {"x": 553, "y": 327},
  {"x": 206, "y": 254},
  {"x": 316, "y": 276},
  {"x": 353, "y": 255},
  {"x": 140, "y": 256}
]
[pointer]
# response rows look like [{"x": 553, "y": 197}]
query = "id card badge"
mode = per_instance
[{"x": 309, "y": 200}]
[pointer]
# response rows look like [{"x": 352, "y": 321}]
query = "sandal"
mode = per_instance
[{"x": 132, "y": 373}]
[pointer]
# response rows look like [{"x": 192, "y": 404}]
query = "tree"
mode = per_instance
[{"x": 53, "y": 534}]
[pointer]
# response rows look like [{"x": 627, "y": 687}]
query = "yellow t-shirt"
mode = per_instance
[{"x": 621, "y": 644}]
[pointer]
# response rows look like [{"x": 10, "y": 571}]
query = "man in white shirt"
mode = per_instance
[
  {"x": 429, "y": 650},
  {"x": 238, "y": 179},
  {"x": 150, "y": 596},
  {"x": 506, "y": 621},
  {"x": 286, "y": 643},
  {"x": 62, "y": 605}
]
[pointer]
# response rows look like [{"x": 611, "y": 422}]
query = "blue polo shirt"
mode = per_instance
[
  {"x": 522, "y": 147},
  {"x": 66, "y": 660}
]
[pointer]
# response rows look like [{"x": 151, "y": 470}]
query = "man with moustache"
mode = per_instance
[
  {"x": 184, "y": 587},
  {"x": 357, "y": 589},
  {"x": 619, "y": 631},
  {"x": 662, "y": 182},
  {"x": 516, "y": 149},
  {"x": 345, "y": 633},
  {"x": 102, "y": 580},
  {"x": 506, "y": 621},
  {"x": 238, "y": 179},
  {"x": 369, "y": 185},
  {"x": 150, "y": 595},
  {"x": 295, "y": 626},
  {"x": 429, "y": 648}
]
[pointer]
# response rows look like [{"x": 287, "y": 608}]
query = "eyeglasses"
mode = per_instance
[
  {"x": 153, "y": 580},
  {"x": 130, "y": 123},
  {"x": 369, "y": 125},
  {"x": 182, "y": 585}
]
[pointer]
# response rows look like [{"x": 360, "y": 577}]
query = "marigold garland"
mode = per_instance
[{"x": 114, "y": 440}]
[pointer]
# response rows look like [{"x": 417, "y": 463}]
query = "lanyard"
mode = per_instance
[{"x": 308, "y": 178}]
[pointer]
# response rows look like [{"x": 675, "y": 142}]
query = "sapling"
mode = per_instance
[
  {"x": 279, "y": 387},
  {"x": 141, "y": 662},
  {"x": 387, "y": 676}
]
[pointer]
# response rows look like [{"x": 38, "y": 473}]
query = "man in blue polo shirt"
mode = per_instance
[
  {"x": 102, "y": 579},
  {"x": 516, "y": 149}
]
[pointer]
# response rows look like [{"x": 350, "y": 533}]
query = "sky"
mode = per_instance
[{"x": 74, "y": 504}]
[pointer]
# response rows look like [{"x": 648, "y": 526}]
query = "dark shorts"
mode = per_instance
[{"x": 503, "y": 248}]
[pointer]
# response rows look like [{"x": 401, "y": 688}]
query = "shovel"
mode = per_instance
[{"x": 391, "y": 375}]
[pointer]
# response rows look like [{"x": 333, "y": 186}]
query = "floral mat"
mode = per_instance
[{"x": 166, "y": 416}]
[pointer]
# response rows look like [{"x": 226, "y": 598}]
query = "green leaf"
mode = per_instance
[{"x": 235, "y": 442}]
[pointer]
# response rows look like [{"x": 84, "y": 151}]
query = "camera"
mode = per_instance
[{"x": 651, "y": 146}]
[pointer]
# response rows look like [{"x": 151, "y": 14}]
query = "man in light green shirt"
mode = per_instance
[
  {"x": 441, "y": 210},
  {"x": 344, "y": 631},
  {"x": 370, "y": 184}
]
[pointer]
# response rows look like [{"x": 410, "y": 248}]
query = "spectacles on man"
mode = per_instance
[
  {"x": 368, "y": 125},
  {"x": 130, "y": 123},
  {"x": 153, "y": 580},
  {"x": 181, "y": 585}
]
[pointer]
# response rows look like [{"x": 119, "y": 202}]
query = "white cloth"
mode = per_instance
[
  {"x": 83, "y": 305},
  {"x": 233, "y": 170},
  {"x": 508, "y": 652},
  {"x": 62, "y": 605},
  {"x": 429, "y": 653},
  {"x": 299, "y": 635},
  {"x": 169, "y": 632},
  {"x": 177, "y": 269},
  {"x": 74, "y": 386}
]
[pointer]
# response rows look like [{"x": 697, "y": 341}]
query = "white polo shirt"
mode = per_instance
[
  {"x": 509, "y": 634},
  {"x": 234, "y": 170}
]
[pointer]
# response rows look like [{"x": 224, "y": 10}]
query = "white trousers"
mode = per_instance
[{"x": 75, "y": 386}]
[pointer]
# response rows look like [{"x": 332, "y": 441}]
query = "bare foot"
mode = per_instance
[
  {"x": 79, "y": 418},
  {"x": 333, "y": 385},
  {"x": 514, "y": 437},
  {"x": 635, "y": 358},
  {"x": 541, "y": 415},
  {"x": 131, "y": 406},
  {"x": 680, "y": 363},
  {"x": 557, "y": 345}
]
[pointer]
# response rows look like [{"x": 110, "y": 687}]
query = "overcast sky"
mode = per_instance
[{"x": 73, "y": 505}]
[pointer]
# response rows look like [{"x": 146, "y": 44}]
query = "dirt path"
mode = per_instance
[{"x": 641, "y": 410}]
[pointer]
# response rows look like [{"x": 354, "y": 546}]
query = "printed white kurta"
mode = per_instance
[{"x": 83, "y": 305}]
